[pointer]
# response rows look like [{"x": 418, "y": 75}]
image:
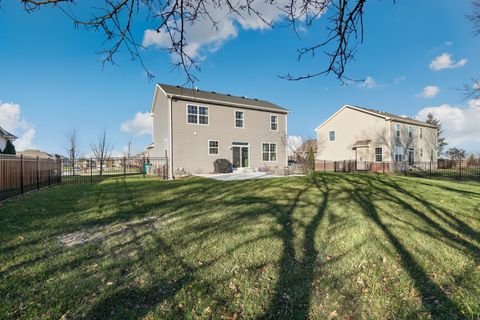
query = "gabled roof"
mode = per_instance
[
  {"x": 387, "y": 116},
  {"x": 7, "y": 134},
  {"x": 218, "y": 98}
]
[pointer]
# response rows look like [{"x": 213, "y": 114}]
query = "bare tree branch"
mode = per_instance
[
  {"x": 173, "y": 18},
  {"x": 102, "y": 149}
]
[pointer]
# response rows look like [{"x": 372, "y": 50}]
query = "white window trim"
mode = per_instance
[
  {"x": 235, "y": 119},
  {"x": 208, "y": 147},
  {"x": 198, "y": 115},
  {"x": 410, "y": 131},
  {"x": 334, "y": 136},
  {"x": 270, "y": 122},
  {"x": 395, "y": 154},
  {"x": 399, "y": 130},
  {"x": 276, "y": 151},
  {"x": 375, "y": 153}
]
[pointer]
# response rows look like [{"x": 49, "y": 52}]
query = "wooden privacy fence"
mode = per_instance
[{"x": 19, "y": 174}]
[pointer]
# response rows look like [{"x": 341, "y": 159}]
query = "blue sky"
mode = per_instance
[{"x": 52, "y": 79}]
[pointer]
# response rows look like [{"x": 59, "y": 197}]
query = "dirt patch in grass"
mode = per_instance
[{"x": 99, "y": 234}]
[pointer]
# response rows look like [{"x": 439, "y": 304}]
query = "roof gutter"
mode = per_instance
[{"x": 226, "y": 103}]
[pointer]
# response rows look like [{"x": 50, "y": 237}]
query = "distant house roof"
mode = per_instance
[
  {"x": 7, "y": 134},
  {"x": 219, "y": 98},
  {"x": 385, "y": 115},
  {"x": 36, "y": 153}
]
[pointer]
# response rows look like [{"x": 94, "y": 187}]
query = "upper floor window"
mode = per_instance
[
  {"x": 269, "y": 152},
  {"x": 398, "y": 153},
  {"x": 197, "y": 114},
  {"x": 421, "y": 153},
  {"x": 331, "y": 135},
  {"x": 397, "y": 130},
  {"x": 421, "y": 133},
  {"x": 274, "y": 123},
  {"x": 410, "y": 131},
  {"x": 239, "y": 119},
  {"x": 212, "y": 147},
  {"x": 378, "y": 154},
  {"x": 431, "y": 155}
]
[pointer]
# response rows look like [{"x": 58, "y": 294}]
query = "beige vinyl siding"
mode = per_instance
[
  {"x": 351, "y": 126},
  {"x": 427, "y": 143},
  {"x": 161, "y": 126},
  {"x": 190, "y": 142}
]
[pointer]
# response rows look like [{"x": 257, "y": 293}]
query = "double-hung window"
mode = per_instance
[
  {"x": 331, "y": 136},
  {"x": 197, "y": 114},
  {"x": 378, "y": 154},
  {"x": 410, "y": 131},
  {"x": 269, "y": 152},
  {"x": 274, "y": 123},
  {"x": 398, "y": 154},
  {"x": 212, "y": 147},
  {"x": 421, "y": 133},
  {"x": 239, "y": 119},
  {"x": 397, "y": 130}
]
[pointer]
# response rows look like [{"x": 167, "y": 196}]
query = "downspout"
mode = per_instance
[
  {"x": 390, "y": 140},
  {"x": 286, "y": 139},
  {"x": 170, "y": 173}
]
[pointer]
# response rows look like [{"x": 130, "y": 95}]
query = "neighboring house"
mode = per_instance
[
  {"x": 5, "y": 136},
  {"x": 361, "y": 134},
  {"x": 36, "y": 153},
  {"x": 193, "y": 128}
]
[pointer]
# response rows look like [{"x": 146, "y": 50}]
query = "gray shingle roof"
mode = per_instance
[
  {"x": 7, "y": 134},
  {"x": 397, "y": 118},
  {"x": 178, "y": 91}
]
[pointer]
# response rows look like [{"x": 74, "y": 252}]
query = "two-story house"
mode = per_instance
[
  {"x": 193, "y": 128},
  {"x": 361, "y": 134}
]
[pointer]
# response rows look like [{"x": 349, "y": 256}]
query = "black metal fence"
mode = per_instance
[
  {"x": 93, "y": 169},
  {"x": 19, "y": 174},
  {"x": 454, "y": 170}
]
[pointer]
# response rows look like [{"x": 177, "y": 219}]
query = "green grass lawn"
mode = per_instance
[{"x": 342, "y": 246}]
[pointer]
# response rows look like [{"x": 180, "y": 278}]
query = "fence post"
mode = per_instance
[
  {"x": 143, "y": 166},
  {"x": 460, "y": 168},
  {"x": 37, "y": 173},
  {"x": 430, "y": 169},
  {"x": 91, "y": 170},
  {"x": 124, "y": 167},
  {"x": 383, "y": 167},
  {"x": 324, "y": 165},
  {"x": 405, "y": 168},
  {"x": 49, "y": 173},
  {"x": 21, "y": 174}
]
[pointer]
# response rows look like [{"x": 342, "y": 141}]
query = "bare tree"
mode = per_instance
[
  {"x": 116, "y": 18},
  {"x": 72, "y": 147},
  {"x": 102, "y": 149}
]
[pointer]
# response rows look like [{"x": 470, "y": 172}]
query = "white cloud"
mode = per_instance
[
  {"x": 369, "y": 83},
  {"x": 448, "y": 43},
  {"x": 476, "y": 85},
  {"x": 444, "y": 61},
  {"x": 25, "y": 141},
  {"x": 140, "y": 124},
  {"x": 12, "y": 121},
  {"x": 294, "y": 142},
  {"x": 203, "y": 38},
  {"x": 460, "y": 125},
  {"x": 429, "y": 92}
]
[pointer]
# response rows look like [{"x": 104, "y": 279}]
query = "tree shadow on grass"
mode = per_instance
[{"x": 434, "y": 299}]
